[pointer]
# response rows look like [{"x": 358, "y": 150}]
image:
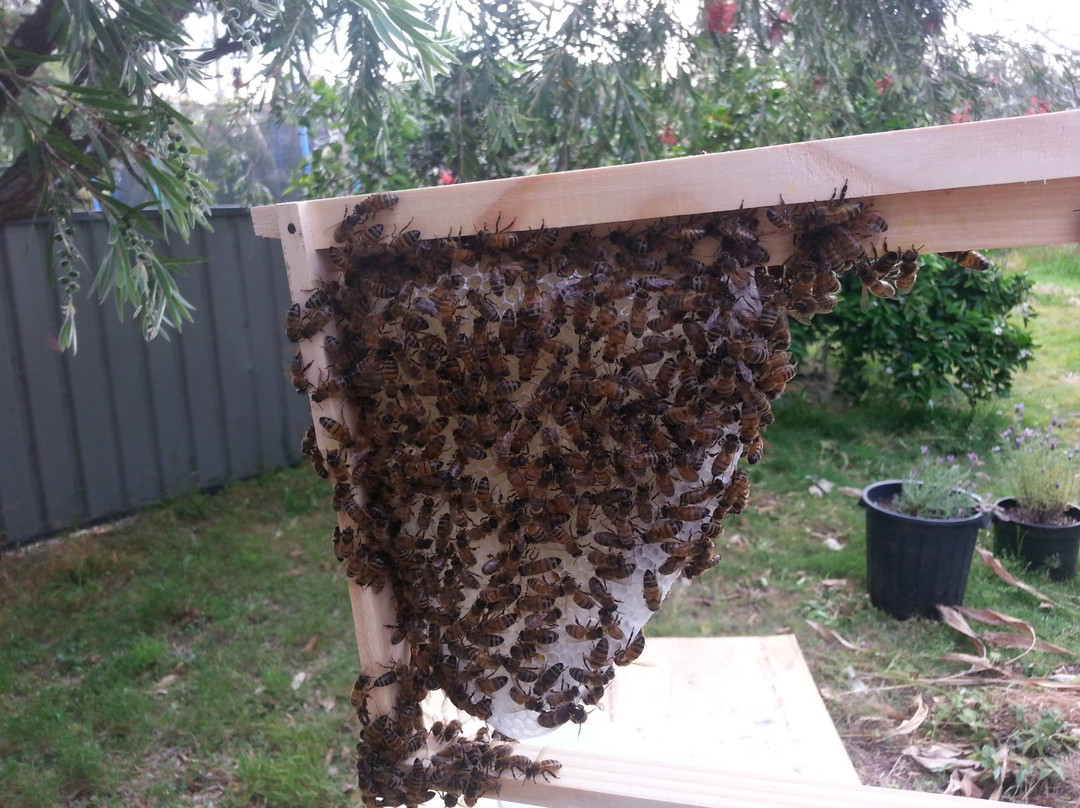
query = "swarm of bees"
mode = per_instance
[{"x": 547, "y": 428}]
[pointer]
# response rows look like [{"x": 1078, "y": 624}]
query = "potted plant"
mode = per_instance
[
  {"x": 1040, "y": 521},
  {"x": 920, "y": 538}
]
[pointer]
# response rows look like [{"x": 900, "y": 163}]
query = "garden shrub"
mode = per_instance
[{"x": 960, "y": 334}]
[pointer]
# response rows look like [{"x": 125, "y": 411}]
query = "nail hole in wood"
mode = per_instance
[{"x": 292, "y": 229}]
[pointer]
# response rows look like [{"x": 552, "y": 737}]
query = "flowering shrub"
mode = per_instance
[
  {"x": 883, "y": 84},
  {"x": 963, "y": 116},
  {"x": 1038, "y": 106},
  {"x": 952, "y": 337},
  {"x": 1039, "y": 470},
  {"x": 939, "y": 488},
  {"x": 719, "y": 16}
]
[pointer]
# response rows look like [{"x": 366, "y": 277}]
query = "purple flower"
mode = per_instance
[
  {"x": 996, "y": 449},
  {"x": 1019, "y": 408},
  {"x": 924, "y": 449}
]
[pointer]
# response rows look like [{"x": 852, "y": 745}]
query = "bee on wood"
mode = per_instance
[
  {"x": 405, "y": 241},
  {"x": 297, "y": 371},
  {"x": 373, "y": 204},
  {"x": 498, "y": 239},
  {"x": 293, "y": 323},
  {"x": 336, "y": 430},
  {"x": 969, "y": 259},
  {"x": 542, "y": 243},
  {"x": 547, "y": 769}
]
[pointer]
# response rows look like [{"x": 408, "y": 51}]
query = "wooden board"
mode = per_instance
[
  {"x": 1002, "y": 183},
  {"x": 730, "y": 722},
  {"x": 743, "y": 704},
  {"x": 600, "y": 781}
]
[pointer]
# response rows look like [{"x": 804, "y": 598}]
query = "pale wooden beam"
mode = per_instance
[
  {"x": 599, "y": 781},
  {"x": 976, "y": 185},
  {"x": 372, "y": 611}
]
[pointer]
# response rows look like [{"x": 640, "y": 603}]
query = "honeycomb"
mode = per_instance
[{"x": 531, "y": 436}]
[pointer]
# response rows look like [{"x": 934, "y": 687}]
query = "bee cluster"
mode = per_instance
[{"x": 544, "y": 431}]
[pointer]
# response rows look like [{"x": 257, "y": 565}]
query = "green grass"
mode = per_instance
[
  {"x": 153, "y": 664},
  {"x": 156, "y": 661}
]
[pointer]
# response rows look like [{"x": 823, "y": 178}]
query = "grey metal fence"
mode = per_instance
[{"x": 125, "y": 423}]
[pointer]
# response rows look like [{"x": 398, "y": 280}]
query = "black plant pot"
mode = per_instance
[
  {"x": 914, "y": 564},
  {"x": 1050, "y": 547}
]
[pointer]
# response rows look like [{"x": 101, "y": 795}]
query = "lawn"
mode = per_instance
[{"x": 202, "y": 653}]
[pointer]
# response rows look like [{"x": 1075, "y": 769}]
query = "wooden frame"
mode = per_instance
[{"x": 1001, "y": 183}]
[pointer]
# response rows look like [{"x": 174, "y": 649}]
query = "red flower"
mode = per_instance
[
  {"x": 1038, "y": 106},
  {"x": 964, "y": 115},
  {"x": 776, "y": 30},
  {"x": 818, "y": 84},
  {"x": 446, "y": 177},
  {"x": 883, "y": 84},
  {"x": 669, "y": 138},
  {"x": 719, "y": 16}
]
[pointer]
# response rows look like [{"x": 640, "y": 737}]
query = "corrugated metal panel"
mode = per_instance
[{"x": 124, "y": 423}]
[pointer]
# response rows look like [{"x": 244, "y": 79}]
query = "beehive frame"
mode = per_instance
[{"x": 1000, "y": 183}]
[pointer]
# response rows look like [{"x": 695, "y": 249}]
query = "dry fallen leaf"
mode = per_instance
[
  {"x": 298, "y": 680},
  {"x": 829, "y": 583},
  {"x": 939, "y": 757},
  {"x": 1008, "y": 578},
  {"x": 963, "y": 781},
  {"x": 161, "y": 687},
  {"x": 849, "y": 491},
  {"x": 309, "y": 646},
  {"x": 832, "y": 636},
  {"x": 834, "y": 544},
  {"x": 953, "y": 618},
  {"x": 913, "y": 723}
]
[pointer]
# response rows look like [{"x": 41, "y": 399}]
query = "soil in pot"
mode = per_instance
[{"x": 1053, "y": 548}]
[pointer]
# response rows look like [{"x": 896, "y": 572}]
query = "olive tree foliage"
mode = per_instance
[
  {"x": 582, "y": 84},
  {"x": 83, "y": 95}
]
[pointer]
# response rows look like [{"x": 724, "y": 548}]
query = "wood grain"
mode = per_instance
[
  {"x": 372, "y": 611},
  {"x": 978, "y": 167}
]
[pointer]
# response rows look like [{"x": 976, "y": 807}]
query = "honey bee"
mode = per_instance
[
  {"x": 297, "y": 370},
  {"x": 548, "y": 679},
  {"x": 542, "y": 243},
  {"x": 539, "y": 566},
  {"x": 534, "y": 703},
  {"x": 484, "y": 307},
  {"x": 497, "y": 239},
  {"x": 632, "y": 651},
  {"x": 293, "y": 323},
  {"x": 652, "y": 592},
  {"x": 336, "y": 430},
  {"x": 969, "y": 259},
  {"x": 529, "y": 312},
  {"x": 373, "y": 204},
  {"x": 598, "y": 656},
  {"x": 583, "y": 307}
]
